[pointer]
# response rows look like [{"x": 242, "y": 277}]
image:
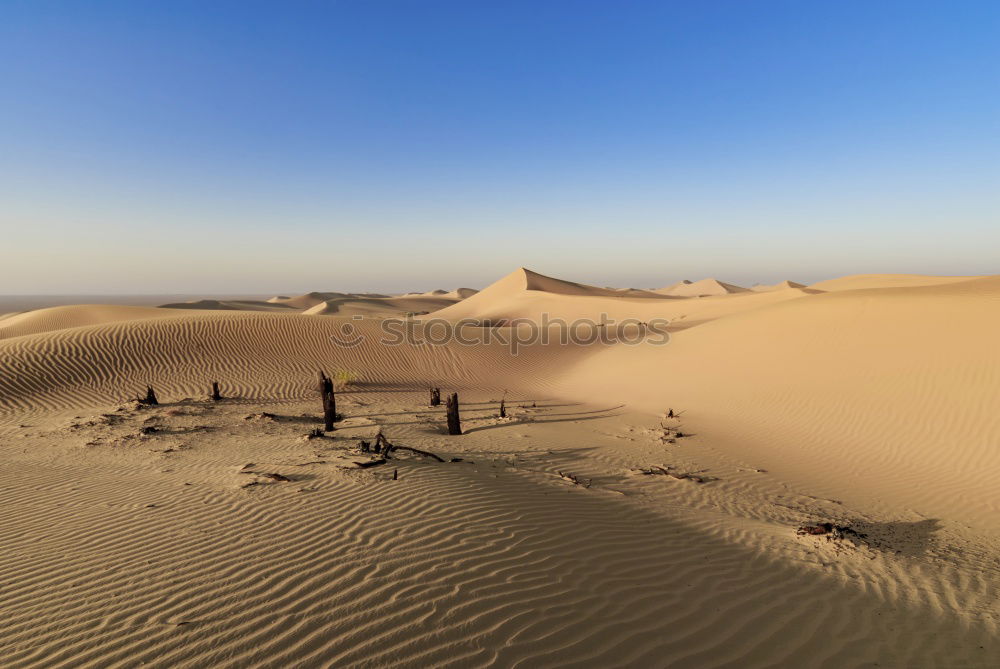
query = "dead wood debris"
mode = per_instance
[
  {"x": 833, "y": 531},
  {"x": 263, "y": 416},
  {"x": 656, "y": 470},
  {"x": 574, "y": 479}
]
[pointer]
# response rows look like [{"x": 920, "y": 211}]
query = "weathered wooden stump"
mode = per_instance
[
  {"x": 503, "y": 407},
  {"x": 329, "y": 401},
  {"x": 454, "y": 422},
  {"x": 382, "y": 445},
  {"x": 150, "y": 396},
  {"x": 435, "y": 397},
  {"x": 216, "y": 396}
]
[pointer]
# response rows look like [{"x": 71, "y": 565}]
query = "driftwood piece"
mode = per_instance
[
  {"x": 435, "y": 397},
  {"x": 384, "y": 448},
  {"x": 454, "y": 422}
]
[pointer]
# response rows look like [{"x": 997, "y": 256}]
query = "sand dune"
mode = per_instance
[
  {"x": 860, "y": 281},
  {"x": 531, "y": 296},
  {"x": 309, "y": 300},
  {"x": 231, "y": 305},
  {"x": 878, "y": 394},
  {"x": 382, "y": 306},
  {"x": 703, "y": 288},
  {"x": 256, "y": 354},
  {"x": 77, "y": 315},
  {"x": 340, "y": 302},
  {"x": 136, "y": 535},
  {"x": 781, "y": 285},
  {"x": 526, "y": 294},
  {"x": 461, "y": 293},
  {"x": 475, "y": 564}
]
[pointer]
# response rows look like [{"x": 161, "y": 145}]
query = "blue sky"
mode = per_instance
[{"x": 290, "y": 146}]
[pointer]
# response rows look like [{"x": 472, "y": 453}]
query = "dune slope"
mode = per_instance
[
  {"x": 73, "y": 316},
  {"x": 884, "y": 394}
]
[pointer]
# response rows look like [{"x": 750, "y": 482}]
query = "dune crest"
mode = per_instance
[
  {"x": 74, "y": 316},
  {"x": 781, "y": 285},
  {"x": 703, "y": 288}
]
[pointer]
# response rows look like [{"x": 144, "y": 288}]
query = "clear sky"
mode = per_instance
[{"x": 263, "y": 147}]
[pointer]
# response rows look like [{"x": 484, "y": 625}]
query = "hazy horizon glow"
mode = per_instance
[{"x": 256, "y": 148}]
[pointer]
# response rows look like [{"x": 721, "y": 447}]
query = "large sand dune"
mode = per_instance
[
  {"x": 872, "y": 407},
  {"x": 879, "y": 393},
  {"x": 529, "y": 296},
  {"x": 703, "y": 288}
]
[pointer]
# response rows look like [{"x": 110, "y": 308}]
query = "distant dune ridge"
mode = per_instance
[
  {"x": 382, "y": 306},
  {"x": 860, "y": 281},
  {"x": 528, "y": 295},
  {"x": 230, "y": 305},
  {"x": 703, "y": 288},
  {"x": 341, "y": 304},
  {"x": 781, "y": 285},
  {"x": 74, "y": 316},
  {"x": 585, "y": 527}
]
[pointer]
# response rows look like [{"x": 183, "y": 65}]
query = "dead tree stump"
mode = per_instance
[
  {"x": 150, "y": 396},
  {"x": 503, "y": 408},
  {"x": 435, "y": 397},
  {"x": 329, "y": 401},
  {"x": 216, "y": 396},
  {"x": 454, "y": 423},
  {"x": 382, "y": 445}
]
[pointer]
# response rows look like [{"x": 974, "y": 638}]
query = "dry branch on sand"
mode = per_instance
[
  {"x": 656, "y": 470},
  {"x": 385, "y": 448},
  {"x": 575, "y": 480}
]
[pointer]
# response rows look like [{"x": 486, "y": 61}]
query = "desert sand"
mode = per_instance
[{"x": 638, "y": 506}]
